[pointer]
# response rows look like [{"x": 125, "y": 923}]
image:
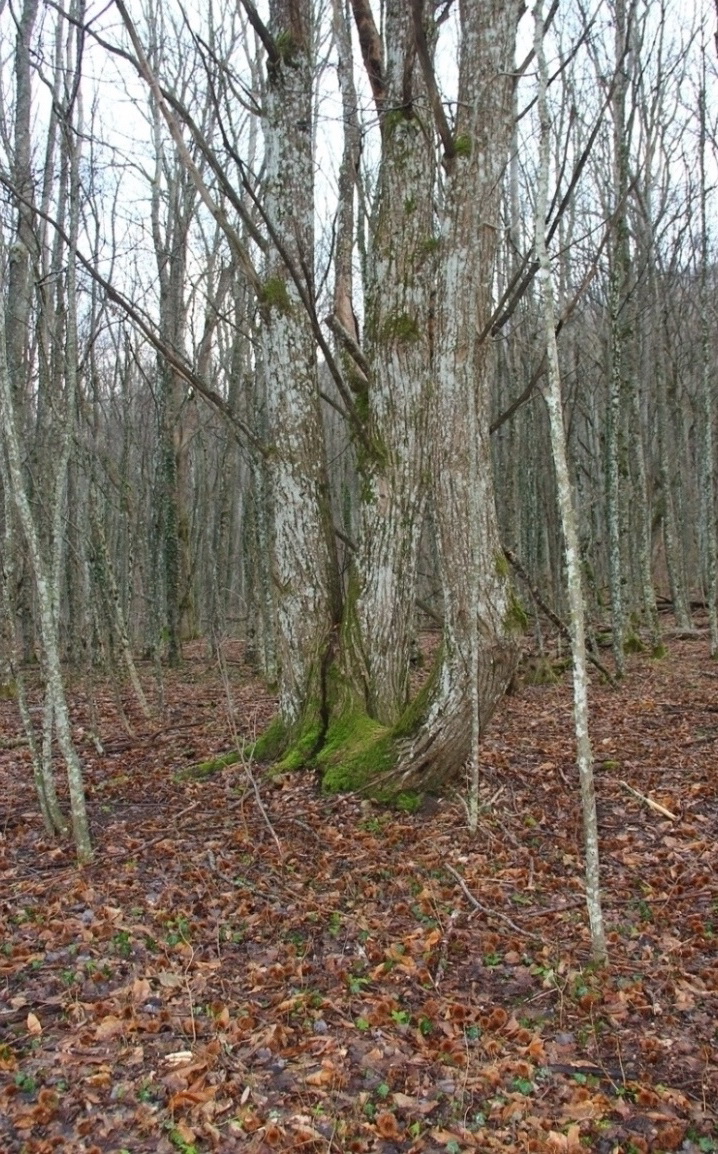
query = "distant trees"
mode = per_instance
[{"x": 254, "y": 378}]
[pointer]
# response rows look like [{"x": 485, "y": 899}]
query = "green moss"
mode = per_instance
[
  {"x": 431, "y": 244},
  {"x": 301, "y": 751},
  {"x": 392, "y": 119},
  {"x": 272, "y": 743},
  {"x": 203, "y": 769},
  {"x": 274, "y": 295},
  {"x": 286, "y": 46},
  {"x": 633, "y": 644},
  {"x": 415, "y": 711},
  {"x": 8, "y": 691},
  {"x": 410, "y": 205},
  {"x": 409, "y": 802},
  {"x": 501, "y": 564},
  {"x": 463, "y": 145},
  {"x": 516, "y": 619},
  {"x": 659, "y": 651},
  {"x": 361, "y": 403},
  {"x": 401, "y": 328},
  {"x": 356, "y": 750}
]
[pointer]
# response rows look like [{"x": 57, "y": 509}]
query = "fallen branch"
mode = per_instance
[
  {"x": 490, "y": 913},
  {"x": 554, "y": 617},
  {"x": 649, "y": 801}
]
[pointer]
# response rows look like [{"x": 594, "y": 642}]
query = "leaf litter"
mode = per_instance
[{"x": 341, "y": 977}]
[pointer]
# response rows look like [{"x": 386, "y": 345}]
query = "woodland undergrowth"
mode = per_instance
[{"x": 321, "y": 974}]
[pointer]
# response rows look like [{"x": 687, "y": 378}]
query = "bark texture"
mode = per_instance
[
  {"x": 399, "y": 303},
  {"x": 479, "y": 649},
  {"x": 305, "y": 576}
]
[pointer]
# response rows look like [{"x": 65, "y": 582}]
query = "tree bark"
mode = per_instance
[
  {"x": 399, "y": 301},
  {"x": 479, "y": 652},
  {"x": 305, "y": 573}
]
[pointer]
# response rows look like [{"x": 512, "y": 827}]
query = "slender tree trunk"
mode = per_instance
[
  {"x": 568, "y": 515},
  {"x": 707, "y": 480},
  {"x": 55, "y": 691}
]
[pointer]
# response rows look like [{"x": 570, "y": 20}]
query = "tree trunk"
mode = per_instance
[
  {"x": 305, "y": 571},
  {"x": 479, "y": 651},
  {"x": 398, "y": 310},
  {"x": 584, "y": 755}
]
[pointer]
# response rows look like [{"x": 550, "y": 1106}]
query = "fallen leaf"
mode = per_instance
[{"x": 33, "y": 1024}]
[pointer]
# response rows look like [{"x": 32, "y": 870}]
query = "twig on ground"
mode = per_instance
[
  {"x": 244, "y": 761},
  {"x": 554, "y": 617},
  {"x": 485, "y": 909},
  {"x": 649, "y": 801}
]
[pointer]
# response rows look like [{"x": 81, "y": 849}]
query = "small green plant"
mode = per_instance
[
  {"x": 401, "y": 1017},
  {"x": 492, "y": 960},
  {"x": 409, "y": 802},
  {"x": 146, "y": 1092},
  {"x": 177, "y": 930},
  {"x": 523, "y": 1085},
  {"x": 122, "y": 943},
  {"x": 383, "y": 1090},
  {"x": 356, "y": 985},
  {"x": 426, "y": 1027},
  {"x": 371, "y": 825},
  {"x": 25, "y": 1083},
  {"x": 362, "y": 1024},
  {"x": 335, "y": 923},
  {"x": 644, "y": 910},
  {"x": 179, "y": 1142},
  {"x": 462, "y": 145}
]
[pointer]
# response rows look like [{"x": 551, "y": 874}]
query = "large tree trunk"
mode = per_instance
[
  {"x": 440, "y": 731},
  {"x": 479, "y": 650},
  {"x": 305, "y": 572},
  {"x": 398, "y": 331}
]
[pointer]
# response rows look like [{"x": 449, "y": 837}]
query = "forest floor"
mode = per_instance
[{"x": 313, "y": 973}]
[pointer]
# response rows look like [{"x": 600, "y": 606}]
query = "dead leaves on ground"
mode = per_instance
[{"x": 196, "y": 989}]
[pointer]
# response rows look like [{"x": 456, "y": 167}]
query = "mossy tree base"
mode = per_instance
[{"x": 426, "y": 751}]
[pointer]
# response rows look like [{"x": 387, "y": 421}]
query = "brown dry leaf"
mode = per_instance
[
  {"x": 8, "y": 1061},
  {"x": 34, "y": 1025},
  {"x": 303, "y": 1128},
  {"x": 109, "y": 1027},
  {"x": 388, "y": 1126},
  {"x": 141, "y": 990},
  {"x": 170, "y": 980},
  {"x": 185, "y": 1132},
  {"x": 582, "y": 1111},
  {"x": 565, "y": 1143},
  {"x": 323, "y": 1077},
  {"x": 404, "y": 1102}
]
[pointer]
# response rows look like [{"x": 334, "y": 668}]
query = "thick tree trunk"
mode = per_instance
[
  {"x": 305, "y": 572},
  {"x": 479, "y": 651},
  {"x": 440, "y": 731},
  {"x": 398, "y": 329}
]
